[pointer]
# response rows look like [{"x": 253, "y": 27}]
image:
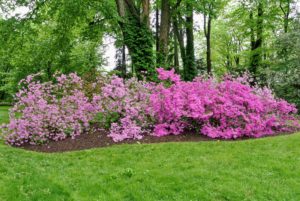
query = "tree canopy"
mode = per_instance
[{"x": 195, "y": 37}]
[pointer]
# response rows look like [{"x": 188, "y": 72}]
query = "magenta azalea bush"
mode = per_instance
[{"x": 228, "y": 109}]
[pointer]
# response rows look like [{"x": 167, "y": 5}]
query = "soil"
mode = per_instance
[{"x": 100, "y": 139}]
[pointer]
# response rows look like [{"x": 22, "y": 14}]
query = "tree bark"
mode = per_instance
[
  {"x": 146, "y": 12},
  {"x": 176, "y": 57},
  {"x": 124, "y": 61},
  {"x": 256, "y": 44},
  {"x": 207, "y": 32},
  {"x": 164, "y": 33},
  {"x": 179, "y": 36},
  {"x": 157, "y": 28},
  {"x": 121, "y": 8},
  {"x": 190, "y": 68}
]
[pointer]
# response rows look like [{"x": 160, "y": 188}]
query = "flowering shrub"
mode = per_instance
[
  {"x": 49, "y": 111},
  {"x": 129, "y": 101},
  {"x": 226, "y": 109},
  {"x": 130, "y": 109}
]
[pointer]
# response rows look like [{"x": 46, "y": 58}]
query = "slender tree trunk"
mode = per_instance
[
  {"x": 237, "y": 61},
  {"x": 124, "y": 61},
  {"x": 180, "y": 39},
  {"x": 48, "y": 69},
  {"x": 252, "y": 39},
  {"x": 286, "y": 23},
  {"x": 256, "y": 45},
  {"x": 228, "y": 61},
  {"x": 176, "y": 57},
  {"x": 286, "y": 14},
  {"x": 157, "y": 28},
  {"x": 260, "y": 26},
  {"x": 190, "y": 68},
  {"x": 207, "y": 32},
  {"x": 164, "y": 33}
]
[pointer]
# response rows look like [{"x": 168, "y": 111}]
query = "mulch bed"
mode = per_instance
[{"x": 100, "y": 139}]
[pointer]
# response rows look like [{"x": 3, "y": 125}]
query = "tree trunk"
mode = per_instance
[
  {"x": 164, "y": 33},
  {"x": 176, "y": 58},
  {"x": 190, "y": 67},
  {"x": 124, "y": 61},
  {"x": 137, "y": 36},
  {"x": 237, "y": 61},
  {"x": 179, "y": 36},
  {"x": 207, "y": 32},
  {"x": 286, "y": 14},
  {"x": 157, "y": 28},
  {"x": 145, "y": 16},
  {"x": 256, "y": 45},
  {"x": 252, "y": 68}
]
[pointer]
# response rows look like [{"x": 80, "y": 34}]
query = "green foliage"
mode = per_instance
[
  {"x": 284, "y": 73},
  {"x": 140, "y": 44},
  {"x": 55, "y": 35},
  {"x": 105, "y": 120}
]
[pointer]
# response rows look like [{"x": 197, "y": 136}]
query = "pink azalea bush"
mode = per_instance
[
  {"x": 129, "y": 99},
  {"x": 49, "y": 111},
  {"x": 226, "y": 109}
]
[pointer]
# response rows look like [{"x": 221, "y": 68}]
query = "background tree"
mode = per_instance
[{"x": 134, "y": 20}]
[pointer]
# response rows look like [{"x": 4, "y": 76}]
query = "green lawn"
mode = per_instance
[
  {"x": 3, "y": 114},
  {"x": 262, "y": 169}
]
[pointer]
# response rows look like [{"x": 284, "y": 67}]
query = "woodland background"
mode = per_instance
[{"x": 196, "y": 37}]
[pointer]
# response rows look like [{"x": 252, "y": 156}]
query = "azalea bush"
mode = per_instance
[
  {"x": 65, "y": 108},
  {"x": 130, "y": 109},
  {"x": 49, "y": 111},
  {"x": 126, "y": 108},
  {"x": 228, "y": 109}
]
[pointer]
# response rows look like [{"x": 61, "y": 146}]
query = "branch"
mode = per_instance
[
  {"x": 134, "y": 11},
  {"x": 282, "y": 9}
]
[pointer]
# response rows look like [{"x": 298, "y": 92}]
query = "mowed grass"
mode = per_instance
[
  {"x": 4, "y": 114},
  {"x": 262, "y": 169}
]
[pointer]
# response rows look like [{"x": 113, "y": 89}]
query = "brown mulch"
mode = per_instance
[{"x": 100, "y": 139}]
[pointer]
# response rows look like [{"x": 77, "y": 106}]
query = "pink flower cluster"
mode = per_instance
[
  {"x": 49, "y": 111},
  {"x": 219, "y": 109}
]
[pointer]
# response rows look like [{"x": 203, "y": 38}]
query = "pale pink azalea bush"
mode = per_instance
[
  {"x": 49, "y": 111},
  {"x": 56, "y": 110},
  {"x": 228, "y": 109},
  {"x": 130, "y": 100}
]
